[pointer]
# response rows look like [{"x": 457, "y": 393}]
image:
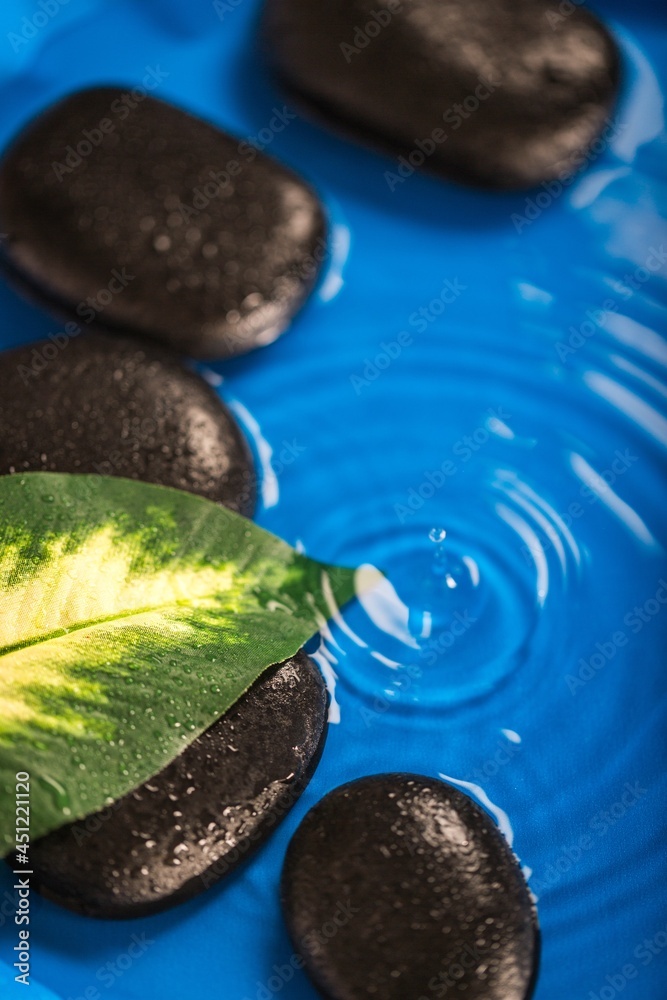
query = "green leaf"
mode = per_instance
[{"x": 131, "y": 617}]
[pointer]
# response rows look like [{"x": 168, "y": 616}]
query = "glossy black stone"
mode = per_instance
[
  {"x": 517, "y": 90},
  {"x": 201, "y": 816},
  {"x": 400, "y": 887},
  {"x": 141, "y": 218},
  {"x": 111, "y": 405}
]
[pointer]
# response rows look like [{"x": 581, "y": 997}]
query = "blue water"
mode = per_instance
[{"x": 503, "y": 462}]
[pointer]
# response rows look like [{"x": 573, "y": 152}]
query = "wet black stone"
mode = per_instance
[
  {"x": 111, "y": 405},
  {"x": 201, "y": 816},
  {"x": 159, "y": 225},
  {"x": 398, "y": 886},
  {"x": 535, "y": 86}
]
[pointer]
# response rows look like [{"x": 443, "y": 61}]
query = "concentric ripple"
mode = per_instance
[
  {"x": 490, "y": 527},
  {"x": 462, "y": 607}
]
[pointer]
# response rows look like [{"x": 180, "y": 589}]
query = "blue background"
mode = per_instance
[{"x": 345, "y": 435}]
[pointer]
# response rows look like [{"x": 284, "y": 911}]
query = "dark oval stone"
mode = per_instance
[
  {"x": 111, "y": 405},
  {"x": 201, "y": 816},
  {"x": 146, "y": 220},
  {"x": 516, "y": 90},
  {"x": 396, "y": 884}
]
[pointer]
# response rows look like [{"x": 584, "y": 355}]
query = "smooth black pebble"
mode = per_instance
[
  {"x": 399, "y": 887},
  {"x": 111, "y": 405},
  {"x": 163, "y": 226},
  {"x": 534, "y": 87},
  {"x": 203, "y": 814}
]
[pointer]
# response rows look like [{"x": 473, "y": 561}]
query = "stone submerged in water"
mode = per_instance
[
  {"x": 202, "y": 815},
  {"x": 138, "y": 217},
  {"x": 398, "y": 886},
  {"x": 110, "y": 405},
  {"x": 497, "y": 93}
]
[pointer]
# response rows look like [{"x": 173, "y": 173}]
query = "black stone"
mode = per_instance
[
  {"x": 396, "y": 884},
  {"x": 161, "y": 225},
  {"x": 547, "y": 81},
  {"x": 202, "y": 815},
  {"x": 111, "y": 405}
]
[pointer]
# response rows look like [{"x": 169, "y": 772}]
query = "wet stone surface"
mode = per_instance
[
  {"x": 141, "y": 218},
  {"x": 203, "y": 814},
  {"x": 498, "y": 93},
  {"x": 399, "y": 886},
  {"x": 111, "y": 405}
]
